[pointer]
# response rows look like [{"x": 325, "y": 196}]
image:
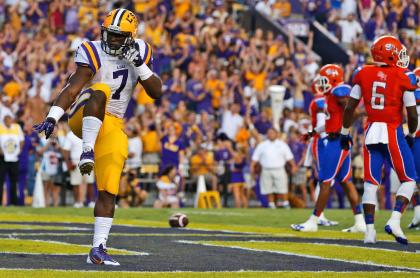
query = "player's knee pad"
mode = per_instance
[
  {"x": 369, "y": 194},
  {"x": 406, "y": 189}
]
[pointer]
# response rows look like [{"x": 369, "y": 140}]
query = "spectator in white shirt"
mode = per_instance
[
  {"x": 51, "y": 168},
  {"x": 350, "y": 29},
  {"x": 264, "y": 7},
  {"x": 232, "y": 121},
  {"x": 135, "y": 149},
  {"x": 11, "y": 142},
  {"x": 72, "y": 151},
  {"x": 5, "y": 109},
  {"x": 43, "y": 80},
  {"x": 272, "y": 155}
]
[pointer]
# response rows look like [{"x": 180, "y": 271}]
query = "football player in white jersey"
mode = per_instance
[{"x": 97, "y": 94}]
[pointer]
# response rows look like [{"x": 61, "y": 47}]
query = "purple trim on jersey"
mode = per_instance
[
  {"x": 89, "y": 90},
  {"x": 92, "y": 67},
  {"x": 83, "y": 64},
  {"x": 342, "y": 90},
  {"x": 95, "y": 52},
  {"x": 78, "y": 107}
]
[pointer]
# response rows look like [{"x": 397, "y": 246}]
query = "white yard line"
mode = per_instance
[
  {"x": 336, "y": 244},
  {"x": 83, "y": 245},
  {"x": 299, "y": 255},
  {"x": 182, "y": 271}
]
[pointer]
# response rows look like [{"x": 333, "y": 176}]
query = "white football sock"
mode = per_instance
[
  {"x": 90, "y": 130},
  {"x": 102, "y": 227},
  {"x": 370, "y": 227},
  {"x": 313, "y": 218},
  {"x": 395, "y": 216},
  {"x": 358, "y": 218},
  {"x": 271, "y": 205},
  {"x": 417, "y": 212}
]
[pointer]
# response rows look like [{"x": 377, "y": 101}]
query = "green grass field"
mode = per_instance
[{"x": 274, "y": 223}]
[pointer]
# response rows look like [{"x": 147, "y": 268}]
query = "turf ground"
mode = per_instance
[{"x": 218, "y": 243}]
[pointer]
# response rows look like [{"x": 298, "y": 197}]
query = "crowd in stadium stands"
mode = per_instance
[{"x": 216, "y": 107}]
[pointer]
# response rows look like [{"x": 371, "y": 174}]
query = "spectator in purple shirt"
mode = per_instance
[
  {"x": 34, "y": 12},
  {"x": 172, "y": 148},
  {"x": 263, "y": 122},
  {"x": 299, "y": 179},
  {"x": 410, "y": 19},
  {"x": 199, "y": 97},
  {"x": 175, "y": 87}
]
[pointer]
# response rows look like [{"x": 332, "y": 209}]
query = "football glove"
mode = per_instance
[
  {"x": 47, "y": 126},
  {"x": 410, "y": 140},
  {"x": 346, "y": 141},
  {"x": 133, "y": 55}
]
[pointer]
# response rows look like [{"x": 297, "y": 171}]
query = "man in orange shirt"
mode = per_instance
[{"x": 202, "y": 164}]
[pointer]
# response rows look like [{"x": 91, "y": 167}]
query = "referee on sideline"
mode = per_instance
[{"x": 273, "y": 154}]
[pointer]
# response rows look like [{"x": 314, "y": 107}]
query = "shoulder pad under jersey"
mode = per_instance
[
  {"x": 320, "y": 103},
  {"x": 342, "y": 90},
  {"x": 412, "y": 77}
]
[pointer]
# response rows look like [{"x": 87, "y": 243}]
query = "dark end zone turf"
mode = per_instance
[{"x": 171, "y": 249}]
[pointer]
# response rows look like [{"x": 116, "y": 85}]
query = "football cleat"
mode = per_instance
[
  {"x": 356, "y": 228},
  {"x": 370, "y": 236},
  {"x": 323, "y": 221},
  {"x": 86, "y": 161},
  {"x": 308, "y": 226},
  {"x": 415, "y": 223},
  {"x": 99, "y": 255},
  {"x": 393, "y": 228}
]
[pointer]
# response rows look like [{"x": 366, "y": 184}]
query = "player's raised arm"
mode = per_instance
[
  {"x": 68, "y": 94},
  {"x": 150, "y": 81}
]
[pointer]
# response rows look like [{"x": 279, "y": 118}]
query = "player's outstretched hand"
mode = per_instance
[
  {"x": 133, "y": 55},
  {"x": 47, "y": 126},
  {"x": 410, "y": 140},
  {"x": 345, "y": 142}
]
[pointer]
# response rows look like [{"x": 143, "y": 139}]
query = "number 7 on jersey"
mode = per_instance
[{"x": 117, "y": 74}]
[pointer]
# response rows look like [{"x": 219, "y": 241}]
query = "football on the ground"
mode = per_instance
[{"x": 178, "y": 220}]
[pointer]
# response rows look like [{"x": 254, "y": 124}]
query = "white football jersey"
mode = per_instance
[{"x": 118, "y": 74}]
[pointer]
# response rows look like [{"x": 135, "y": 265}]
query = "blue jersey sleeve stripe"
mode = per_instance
[
  {"x": 412, "y": 77},
  {"x": 91, "y": 66},
  {"x": 95, "y": 52},
  {"x": 341, "y": 90},
  {"x": 320, "y": 103}
]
